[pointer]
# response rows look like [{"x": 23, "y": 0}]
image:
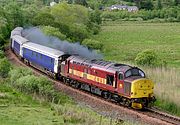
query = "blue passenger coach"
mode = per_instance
[{"x": 44, "y": 57}]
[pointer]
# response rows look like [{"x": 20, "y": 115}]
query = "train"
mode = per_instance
[{"x": 122, "y": 83}]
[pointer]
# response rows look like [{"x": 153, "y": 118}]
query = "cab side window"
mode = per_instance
[
  {"x": 121, "y": 76},
  {"x": 110, "y": 79}
]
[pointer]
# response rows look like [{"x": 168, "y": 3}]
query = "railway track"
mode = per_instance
[
  {"x": 106, "y": 107},
  {"x": 163, "y": 116}
]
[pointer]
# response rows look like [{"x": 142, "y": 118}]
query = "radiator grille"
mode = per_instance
[{"x": 127, "y": 88}]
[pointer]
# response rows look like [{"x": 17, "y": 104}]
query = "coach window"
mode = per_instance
[
  {"x": 24, "y": 50},
  {"x": 37, "y": 55},
  {"x": 110, "y": 79},
  {"x": 51, "y": 60},
  {"x": 32, "y": 53},
  {"x": 41, "y": 56}
]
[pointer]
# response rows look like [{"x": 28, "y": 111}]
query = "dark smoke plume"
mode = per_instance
[{"x": 35, "y": 35}]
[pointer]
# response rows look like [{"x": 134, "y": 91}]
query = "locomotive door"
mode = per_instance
[{"x": 120, "y": 82}]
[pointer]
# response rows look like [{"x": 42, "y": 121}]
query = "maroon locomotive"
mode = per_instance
[{"x": 119, "y": 82}]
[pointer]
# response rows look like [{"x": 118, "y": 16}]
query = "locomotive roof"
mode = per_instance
[
  {"x": 43, "y": 49},
  {"x": 21, "y": 40},
  {"x": 100, "y": 64}
]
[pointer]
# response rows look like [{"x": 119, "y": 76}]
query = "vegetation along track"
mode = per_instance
[{"x": 107, "y": 108}]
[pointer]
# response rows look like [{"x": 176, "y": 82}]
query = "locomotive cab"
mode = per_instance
[
  {"x": 141, "y": 88},
  {"x": 137, "y": 90}
]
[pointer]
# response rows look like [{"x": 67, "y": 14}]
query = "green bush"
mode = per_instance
[
  {"x": 92, "y": 44},
  {"x": 25, "y": 81},
  {"x": 78, "y": 32},
  {"x": 4, "y": 67},
  {"x": 17, "y": 73},
  {"x": 1, "y": 54},
  {"x": 149, "y": 58}
]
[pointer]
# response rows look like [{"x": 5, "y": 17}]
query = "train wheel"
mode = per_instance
[{"x": 106, "y": 95}]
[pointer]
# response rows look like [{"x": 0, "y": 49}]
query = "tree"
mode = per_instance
[
  {"x": 14, "y": 14},
  {"x": 43, "y": 18},
  {"x": 146, "y": 4},
  {"x": 70, "y": 1},
  {"x": 70, "y": 13},
  {"x": 81, "y": 2},
  {"x": 51, "y": 31},
  {"x": 176, "y": 2},
  {"x": 159, "y": 4},
  {"x": 95, "y": 17}
]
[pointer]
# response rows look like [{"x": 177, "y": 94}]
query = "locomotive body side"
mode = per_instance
[{"x": 135, "y": 91}]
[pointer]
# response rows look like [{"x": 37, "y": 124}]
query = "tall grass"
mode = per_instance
[{"x": 167, "y": 87}]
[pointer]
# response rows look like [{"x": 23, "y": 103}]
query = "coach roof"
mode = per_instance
[
  {"x": 21, "y": 40},
  {"x": 43, "y": 50},
  {"x": 16, "y": 31}
]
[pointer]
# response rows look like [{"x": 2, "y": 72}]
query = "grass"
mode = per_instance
[
  {"x": 123, "y": 40},
  {"x": 18, "y": 108},
  {"x": 167, "y": 88}
]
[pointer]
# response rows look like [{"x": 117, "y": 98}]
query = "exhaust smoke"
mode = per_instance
[{"x": 35, "y": 35}]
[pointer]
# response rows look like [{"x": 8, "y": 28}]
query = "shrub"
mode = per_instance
[
  {"x": 78, "y": 32},
  {"x": 19, "y": 72},
  {"x": 1, "y": 54},
  {"x": 4, "y": 68},
  {"x": 25, "y": 81},
  {"x": 92, "y": 44},
  {"x": 149, "y": 58}
]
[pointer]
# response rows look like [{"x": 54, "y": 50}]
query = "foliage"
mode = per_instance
[
  {"x": 148, "y": 58},
  {"x": 164, "y": 13},
  {"x": 2, "y": 55},
  {"x": 81, "y": 2},
  {"x": 3, "y": 30},
  {"x": 74, "y": 21},
  {"x": 19, "y": 72},
  {"x": 70, "y": 14},
  {"x": 167, "y": 105},
  {"x": 78, "y": 32},
  {"x": 43, "y": 18},
  {"x": 92, "y": 44},
  {"x": 25, "y": 81},
  {"x": 51, "y": 31},
  {"x": 146, "y": 4},
  {"x": 95, "y": 17},
  {"x": 35, "y": 110},
  {"x": 4, "y": 67},
  {"x": 159, "y": 4},
  {"x": 14, "y": 14}
]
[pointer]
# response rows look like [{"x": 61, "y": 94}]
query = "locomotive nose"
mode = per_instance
[{"x": 142, "y": 88}]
